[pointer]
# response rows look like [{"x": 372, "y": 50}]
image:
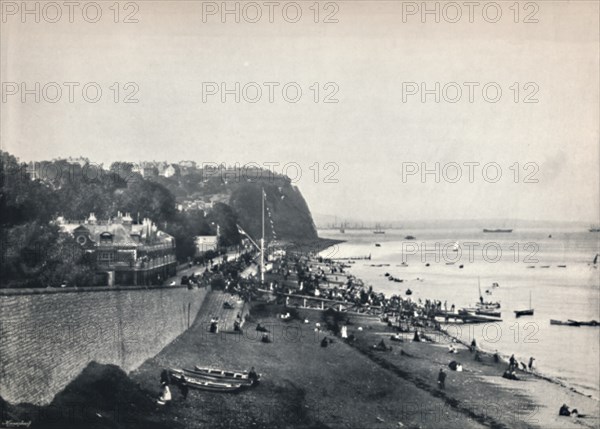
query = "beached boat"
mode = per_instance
[
  {"x": 221, "y": 373},
  {"x": 224, "y": 377},
  {"x": 497, "y": 230},
  {"x": 205, "y": 384},
  {"x": 525, "y": 312}
]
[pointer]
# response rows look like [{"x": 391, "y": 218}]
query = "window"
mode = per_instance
[
  {"x": 106, "y": 257},
  {"x": 106, "y": 237}
]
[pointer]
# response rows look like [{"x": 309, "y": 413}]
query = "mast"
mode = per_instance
[
  {"x": 262, "y": 240},
  {"x": 530, "y": 300}
]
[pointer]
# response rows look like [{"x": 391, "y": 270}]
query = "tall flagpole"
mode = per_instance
[{"x": 262, "y": 240}]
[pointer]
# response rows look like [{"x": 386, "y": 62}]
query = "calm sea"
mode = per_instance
[{"x": 524, "y": 262}]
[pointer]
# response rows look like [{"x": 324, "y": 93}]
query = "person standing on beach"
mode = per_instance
[
  {"x": 473, "y": 345},
  {"x": 531, "y": 359},
  {"x": 442, "y": 379},
  {"x": 512, "y": 362}
]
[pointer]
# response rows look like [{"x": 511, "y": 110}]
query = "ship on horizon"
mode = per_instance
[
  {"x": 497, "y": 230},
  {"x": 378, "y": 230}
]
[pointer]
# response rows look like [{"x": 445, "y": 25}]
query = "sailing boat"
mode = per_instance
[
  {"x": 485, "y": 308},
  {"x": 526, "y": 312},
  {"x": 378, "y": 230},
  {"x": 455, "y": 246}
]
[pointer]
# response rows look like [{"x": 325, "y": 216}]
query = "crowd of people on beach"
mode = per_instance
[{"x": 302, "y": 276}]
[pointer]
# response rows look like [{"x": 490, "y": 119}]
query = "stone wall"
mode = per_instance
[{"x": 48, "y": 336}]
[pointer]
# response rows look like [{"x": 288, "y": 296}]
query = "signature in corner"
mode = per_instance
[{"x": 14, "y": 424}]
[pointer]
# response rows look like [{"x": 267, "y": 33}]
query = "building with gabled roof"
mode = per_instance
[{"x": 126, "y": 253}]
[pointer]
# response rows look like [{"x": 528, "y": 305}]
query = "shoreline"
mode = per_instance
[
  {"x": 550, "y": 377},
  {"x": 504, "y": 358},
  {"x": 348, "y": 384}
]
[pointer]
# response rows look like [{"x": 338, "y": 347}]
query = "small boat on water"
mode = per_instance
[
  {"x": 525, "y": 312},
  {"x": 408, "y": 292},
  {"x": 564, "y": 323},
  {"x": 377, "y": 245},
  {"x": 482, "y": 311},
  {"x": 590, "y": 323},
  {"x": 410, "y": 237},
  {"x": 205, "y": 384},
  {"x": 471, "y": 317},
  {"x": 485, "y": 305},
  {"x": 497, "y": 230},
  {"x": 378, "y": 230}
]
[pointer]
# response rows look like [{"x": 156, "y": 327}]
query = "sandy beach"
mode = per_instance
[{"x": 347, "y": 384}]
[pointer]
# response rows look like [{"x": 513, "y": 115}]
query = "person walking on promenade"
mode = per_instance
[{"x": 442, "y": 379}]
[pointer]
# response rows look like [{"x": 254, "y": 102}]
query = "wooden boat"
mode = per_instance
[
  {"x": 488, "y": 305},
  {"x": 485, "y": 305},
  {"x": 497, "y": 230},
  {"x": 221, "y": 373},
  {"x": 408, "y": 292},
  {"x": 243, "y": 379},
  {"x": 525, "y": 312},
  {"x": 488, "y": 312},
  {"x": 204, "y": 384},
  {"x": 470, "y": 317},
  {"x": 482, "y": 311}
]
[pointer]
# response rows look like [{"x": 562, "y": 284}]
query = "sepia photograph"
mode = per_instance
[{"x": 345, "y": 214}]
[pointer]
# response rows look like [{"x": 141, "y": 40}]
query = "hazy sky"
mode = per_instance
[{"x": 371, "y": 135}]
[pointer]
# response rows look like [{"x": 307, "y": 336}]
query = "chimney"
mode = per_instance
[{"x": 127, "y": 221}]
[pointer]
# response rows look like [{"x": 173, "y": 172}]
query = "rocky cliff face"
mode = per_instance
[{"x": 287, "y": 216}]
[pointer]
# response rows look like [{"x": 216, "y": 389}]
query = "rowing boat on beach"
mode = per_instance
[
  {"x": 204, "y": 384},
  {"x": 220, "y": 373}
]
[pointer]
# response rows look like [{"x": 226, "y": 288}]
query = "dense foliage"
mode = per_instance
[{"x": 34, "y": 254}]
